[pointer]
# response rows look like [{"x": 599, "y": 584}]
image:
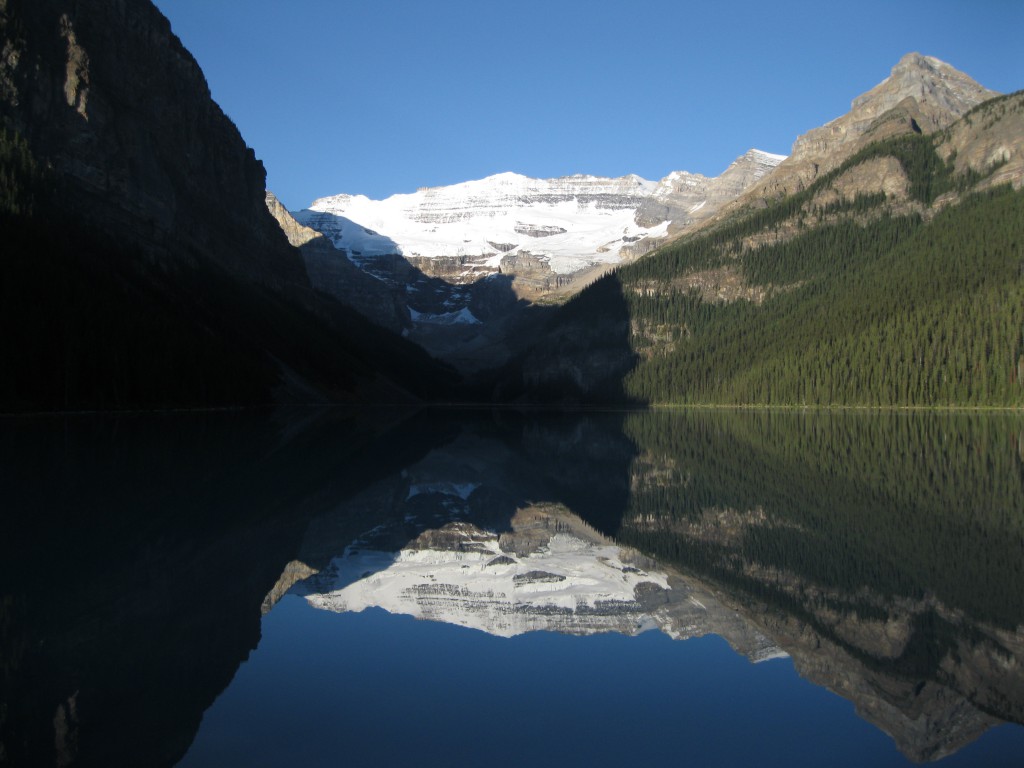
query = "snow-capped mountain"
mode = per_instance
[
  {"x": 459, "y": 263},
  {"x": 570, "y": 222},
  {"x": 496, "y": 223}
]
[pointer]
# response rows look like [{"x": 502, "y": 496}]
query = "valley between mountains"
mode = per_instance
[
  {"x": 879, "y": 264},
  {"x": 507, "y": 353},
  {"x": 808, "y": 279}
]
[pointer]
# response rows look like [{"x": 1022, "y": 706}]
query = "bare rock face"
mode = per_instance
[
  {"x": 992, "y": 136},
  {"x": 685, "y": 199},
  {"x": 883, "y": 174},
  {"x": 331, "y": 272},
  {"x": 921, "y": 94},
  {"x": 297, "y": 234},
  {"x": 294, "y": 572},
  {"x": 537, "y": 230},
  {"x": 941, "y": 93},
  {"x": 148, "y": 154},
  {"x": 532, "y": 274}
]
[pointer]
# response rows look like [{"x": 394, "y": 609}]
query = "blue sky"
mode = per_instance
[{"x": 376, "y": 97}]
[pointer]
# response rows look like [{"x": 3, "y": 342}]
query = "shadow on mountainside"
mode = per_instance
[
  {"x": 471, "y": 324},
  {"x": 582, "y": 354},
  {"x": 92, "y": 324}
]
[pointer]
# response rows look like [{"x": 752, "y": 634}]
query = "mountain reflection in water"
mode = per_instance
[{"x": 882, "y": 553}]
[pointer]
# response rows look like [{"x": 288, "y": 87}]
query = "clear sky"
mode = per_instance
[{"x": 376, "y": 97}]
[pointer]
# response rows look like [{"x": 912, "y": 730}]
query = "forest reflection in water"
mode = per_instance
[{"x": 881, "y": 553}]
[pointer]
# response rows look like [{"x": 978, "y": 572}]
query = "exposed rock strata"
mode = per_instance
[
  {"x": 686, "y": 199},
  {"x": 883, "y": 174},
  {"x": 921, "y": 94},
  {"x": 990, "y": 138},
  {"x": 571, "y": 223}
]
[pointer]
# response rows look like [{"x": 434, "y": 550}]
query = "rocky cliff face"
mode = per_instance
[
  {"x": 684, "y": 199},
  {"x": 940, "y": 95},
  {"x": 989, "y": 141},
  {"x": 108, "y": 97},
  {"x": 333, "y": 273},
  {"x": 147, "y": 264},
  {"x": 921, "y": 94}
]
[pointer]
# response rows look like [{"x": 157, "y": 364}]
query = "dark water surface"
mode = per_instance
[{"x": 698, "y": 588}]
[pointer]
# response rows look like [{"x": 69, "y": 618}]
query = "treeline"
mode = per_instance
[{"x": 868, "y": 309}]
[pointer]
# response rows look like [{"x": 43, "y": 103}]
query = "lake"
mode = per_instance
[{"x": 710, "y": 588}]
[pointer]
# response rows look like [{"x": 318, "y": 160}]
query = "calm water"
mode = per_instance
[{"x": 698, "y": 588}]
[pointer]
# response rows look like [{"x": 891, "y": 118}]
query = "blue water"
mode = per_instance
[
  {"x": 375, "y": 689},
  {"x": 136, "y": 553}
]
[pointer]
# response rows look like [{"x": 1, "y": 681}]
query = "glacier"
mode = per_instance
[{"x": 569, "y": 223}]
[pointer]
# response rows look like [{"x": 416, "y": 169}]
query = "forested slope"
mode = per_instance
[{"x": 851, "y": 292}]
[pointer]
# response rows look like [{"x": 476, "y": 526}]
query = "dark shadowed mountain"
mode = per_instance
[{"x": 141, "y": 266}]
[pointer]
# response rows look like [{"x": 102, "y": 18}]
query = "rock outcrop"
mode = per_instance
[
  {"x": 685, "y": 199},
  {"x": 989, "y": 141},
  {"x": 532, "y": 273},
  {"x": 298, "y": 234}
]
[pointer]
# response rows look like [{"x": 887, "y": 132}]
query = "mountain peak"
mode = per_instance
[
  {"x": 915, "y": 60},
  {"x": 761, "y": 155},
  {"x": 943, "y": 92},
  {"x": 921, "y": 93}
]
